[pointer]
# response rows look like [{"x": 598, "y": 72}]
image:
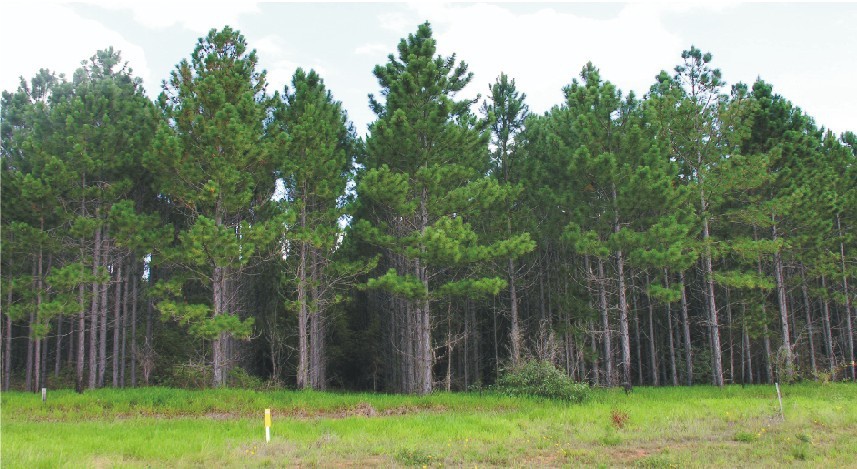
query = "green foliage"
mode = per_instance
[
  {"x": 240, "y": 378},
  {"x": 189, "y": 376},
  {"x": 407, "y": 286},
  {"x": 541, "y": 379}
]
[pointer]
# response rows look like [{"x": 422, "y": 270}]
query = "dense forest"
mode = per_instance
[{"x": 230, "y": 234}]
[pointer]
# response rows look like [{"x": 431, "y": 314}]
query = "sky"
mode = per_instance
[{"x": 807, "y": 51}]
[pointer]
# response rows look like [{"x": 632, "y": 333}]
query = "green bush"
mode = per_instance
[
  {"x": 189, "y": 376},
  {"x": 541, "y": 379},
  {"x": 239, "y": 378}
]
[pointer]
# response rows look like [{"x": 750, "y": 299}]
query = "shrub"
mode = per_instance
[
  {"x": 541, "y": 379},
  {"x": 191, "y": 375},
  {"x": 239, "y": 378}
]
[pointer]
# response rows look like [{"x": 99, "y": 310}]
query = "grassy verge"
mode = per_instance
[{"x": 699, "y": 426}]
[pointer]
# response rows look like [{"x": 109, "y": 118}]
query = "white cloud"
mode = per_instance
[
  {"x": 545, "y": 49},
  {"x": 55, "y": 37},
  {"x": 194, "y": 15},
  {"x": 396, "y": 22},
  {"x": 279, "y": 60},
  {"x": 373, "y": 49}
]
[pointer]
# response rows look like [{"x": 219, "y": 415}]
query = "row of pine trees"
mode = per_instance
[{"x": 228, "y": 233}]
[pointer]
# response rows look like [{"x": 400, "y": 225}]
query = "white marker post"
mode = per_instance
[
  {"x": 780, "y": 398},
  {"x": 267, "y": 425},
  {"x": 44, "y": 394}
]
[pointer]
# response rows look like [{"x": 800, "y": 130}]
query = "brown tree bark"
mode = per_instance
[
  {"x": 825, "y": 325},
  {"x": 117, "y": 321},
  {"x": 605, "y": 325},
  {"x": 58, "y": 345},
  {"x": 124, "y": 321},
  {"x": 134, "y": 297},
  {"x": 81, "y": 339},
  {"x": 102, "y": 325},
  {"x": 809, "y": 326},
  {"x": 303, "y": 381},
  {"x": 93, "y": 311},
  {"x": 849, "y": 330},
  {"x": 673, "y": 371},
  {"x": 688, "y": 351},
  {"x": 784, "y": 310},
  {"x": 652, "y": 350},
  {"x": 7, "y": 342},
  {"x": 28, "y": 380}
]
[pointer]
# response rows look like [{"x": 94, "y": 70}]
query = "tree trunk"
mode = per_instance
[
  {"x": 28, "y": 381},
  {"x": 587, "y": 266},
  {"x": 424, "y": 370},
  {"x": 496, "y": 342},
  {"x": 623, "y": 303},
  {"x": 467, "y": 350},
  {"x": 102, "y": 333},
  {"x": 7, "y": 342},
  {"x": 81, "y": 297},
  {"x": 124, "y": 321},
  {"x": 623, "y": 322},
  {"x": 716, "y": 359},
  {"x": 731, "y": 341},
  {"x": 638, "y": 341},
  {"x": 134, "y": 294},
  {"x": 303, "y": 381},
  {"x": 449, "y": 348},
  {"x": 673, "y": 371},
  {"x": 58, "y": 362},
  {"x": 117, "y": 322},
  {"x": 476, "y": 346},
  {"x": 218, "y": 284},
  {"x": 93, "y": 311},
  {"x": 43, "y": 376},
  {"x": 849, "y": 331},
  {"x": 605, "y": 324},
  {"x": 688, "y": 358},
  {"x": 652, "y": 350},
  {"x": 81, "y": 339},
  {"x": 148, "y": 341},
  {"x": 747, "y": 355},
  {"x": 825, "y": 325},
  {"x": 515, "y": 334},
  {"x": 766, "y": 339},
  {"x": 317, "y": 327},
  {"x": 808, "y": 309},
  {"x": 37, "y": 373},
  {"x": 593, "y": 341},
  {"x": 784, "y": 310}
]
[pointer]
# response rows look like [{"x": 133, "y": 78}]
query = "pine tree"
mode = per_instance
[
  {"x": 213, "y": 164},
  {"x": 316, "y": 166},
  {"x": 506, "y": 113},
  {"x": 424, "y": 175},
  {"x": 689, "y": 104}
]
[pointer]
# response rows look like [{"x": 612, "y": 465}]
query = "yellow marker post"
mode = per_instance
[{"x": 267, "y": 425}]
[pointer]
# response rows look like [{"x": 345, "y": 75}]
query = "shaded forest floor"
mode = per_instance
[{"x": 652, "y": 427}]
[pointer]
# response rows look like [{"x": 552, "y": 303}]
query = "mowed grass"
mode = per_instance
[{"x": 651, "y": 427}]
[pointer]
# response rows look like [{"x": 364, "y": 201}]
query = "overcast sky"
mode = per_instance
[{"x": 807, "y": 51}]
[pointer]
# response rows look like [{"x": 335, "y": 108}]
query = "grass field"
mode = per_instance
[{"x": 652, "y": 427}]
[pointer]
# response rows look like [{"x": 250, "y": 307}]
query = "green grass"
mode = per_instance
[{"x": 665, "y": 427}]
